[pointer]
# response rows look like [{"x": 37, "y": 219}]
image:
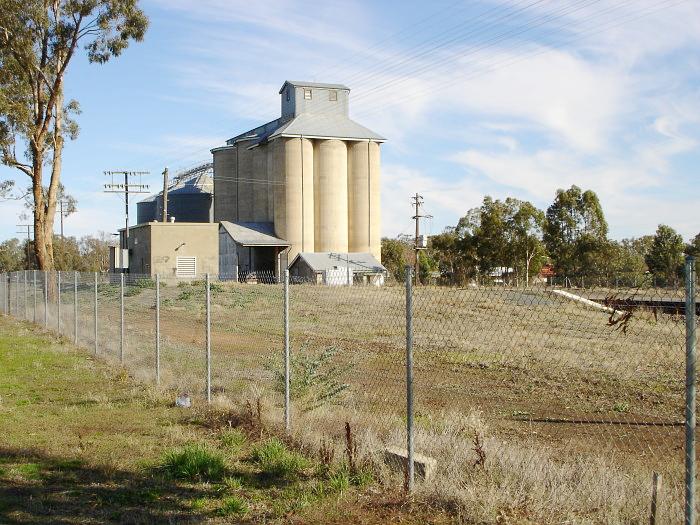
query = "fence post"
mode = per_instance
[
  {"x": 409, "y": 378},
  {"x": 208, "y": 299},
  {"x": 58, "y": 301},
  {"x": 287, "y": 422},
  {"x": 17, "y": 295},
  {"x": 75, "y": 307},
  {"x": 26, "y": 300},
  {"x": 157, "y": 329},
  {"x": 95, "y": 312},
  {"x": 34, "y": 292},
  {"x": 46, "y": 299},
  {"x": 121, "y": 318},
  {"x": 690, "y": 388}
]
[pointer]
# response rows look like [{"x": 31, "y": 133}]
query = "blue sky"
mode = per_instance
[{"x": 502, "y": 98}]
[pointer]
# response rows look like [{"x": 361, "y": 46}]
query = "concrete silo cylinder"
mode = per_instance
[
  {"x": 299, "y": 202},
  {"x": 358, "y": 197},
  {"x": 375, "y": 210},
  {"x": 331, "y": 194}
]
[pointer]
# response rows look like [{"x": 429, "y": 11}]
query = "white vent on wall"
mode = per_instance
[{"x": 186, "y": 267}]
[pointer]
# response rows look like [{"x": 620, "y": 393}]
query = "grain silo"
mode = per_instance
[
  {"x": 189, "y": 198},
  {"x": 311, "y": 176}
]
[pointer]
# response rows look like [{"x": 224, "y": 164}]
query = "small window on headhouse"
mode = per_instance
[
  {"x": 332, "y": 95},
  {"x": 307, "y": 94},
  {"x": 288, "y": 95}
]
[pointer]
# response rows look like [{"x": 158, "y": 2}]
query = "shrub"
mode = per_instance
[
  {"x": 315, "y": 377},
  {"x": 273, "y": 457},
  {"x": 194, "y": 462},
  {"x": 233, "y": 506}
]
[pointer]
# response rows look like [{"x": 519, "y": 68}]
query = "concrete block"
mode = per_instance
[{"x": 424, "y": 466}]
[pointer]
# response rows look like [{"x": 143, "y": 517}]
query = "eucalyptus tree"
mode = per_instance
[
  {"x": 575, "y": 232},
  {"x": 38, "y": 41}
]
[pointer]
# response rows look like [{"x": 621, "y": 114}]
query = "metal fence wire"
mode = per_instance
[{"x": 560, "y": 404}]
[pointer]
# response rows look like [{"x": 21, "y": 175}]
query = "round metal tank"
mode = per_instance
[
  {"x": 358, "y": 197},
  {"x": 331, "y": 195},
  {"x": 375, "y": 209}
]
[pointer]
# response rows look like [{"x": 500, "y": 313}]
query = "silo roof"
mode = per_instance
[
  {"x": 301, "y": 83},
  {"x": 318, "y": 125},
  {"x": 198, "y": 180}
]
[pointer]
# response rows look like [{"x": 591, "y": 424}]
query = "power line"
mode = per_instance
[{"x": 126, "y": 188}]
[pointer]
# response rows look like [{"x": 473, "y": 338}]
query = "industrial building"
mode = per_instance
[
  {"x": 190, "y": 198},
  {"x": 310, "y": 177},
  {"x": 337, "y": 269},
  {"x": 306, "y": 183}
]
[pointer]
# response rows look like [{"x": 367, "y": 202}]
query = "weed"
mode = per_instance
[
  {"x": 144, "y": 283},
  {"x": 315, "y": 378},
  {"x": 232, "y": 439},
  {"x": 185, "y": 295},
  {"x": 199, "y": 503},
  {"x": 339, "y": 481},
  {"x": 233, "y": 506},
  {"x": 194, "y": 462},
  {"x": 621, "y": 407},
  {"x": 232, "y": 483},
  {"x": 274, "y": 458}
]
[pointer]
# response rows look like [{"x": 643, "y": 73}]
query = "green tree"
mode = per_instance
[
  {"x": 12, "y": 256},
  {"x": 394, "y": 257},
  {"x": 94, "y": 252},
  {"x": 665, "y": 259},
  {"x": 575, "y": 233},
  {"x": 693, "y": 247},
  {"x": 454, "y": 256},
  {"x": 38, "y": 40},
  {"x": 526, "y": 251}
]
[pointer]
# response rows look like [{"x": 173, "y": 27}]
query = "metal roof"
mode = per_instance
[
  {"x": 359, "y": 262},
  {"x": 318, "y": 125},
  {"x": 194, "y": 181},
  {"x": 253, "y": 233},
  {"x": 301, "y": 83}
]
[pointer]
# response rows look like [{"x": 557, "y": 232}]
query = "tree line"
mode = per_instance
[
  {"x": 86, "y": 254},
  {"x": 514, "y": 241}
]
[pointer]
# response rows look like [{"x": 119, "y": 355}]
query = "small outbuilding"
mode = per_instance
[
  {"x": 337, "y": 269},
  {"x": 250, "y": 252}
]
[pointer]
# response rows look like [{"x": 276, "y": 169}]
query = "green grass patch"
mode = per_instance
[
  {"x": 195, "y": 463},
  {"x": 233, "y": 506},
  {"x": 232, "y": 440},
  {"x": 273, "y": 458}
]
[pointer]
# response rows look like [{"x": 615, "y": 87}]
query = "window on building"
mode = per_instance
[
  {"x": 332, "y": 95},
  {"x": 288, "y": 95},
  {"x": 186, "y": 267},
  {"x": 307, "y": 94}
]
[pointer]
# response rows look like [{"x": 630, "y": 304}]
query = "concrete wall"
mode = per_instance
[
  {"x": 139, "y": 249},
  {"x": 225, "y": 203},
  {"x": 331, "y": 191},
  {"x": 170, "y": 240},
  {"x": 375, "y": 207},
  {"x": 322, "y": 195}
]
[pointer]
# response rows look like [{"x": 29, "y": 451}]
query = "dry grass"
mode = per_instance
[{"x": 495, "y": 361}]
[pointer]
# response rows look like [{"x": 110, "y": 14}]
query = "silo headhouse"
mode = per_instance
[{"x": 309, "y": 179}]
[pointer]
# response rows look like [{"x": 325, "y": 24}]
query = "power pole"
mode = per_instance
[
  {"x": 29, "y": 238},
  {"x": 126, "y": 188},
  {"x": 165, "y": 194},
  {"x": 64, "y": 213},
  {"x": 417, "y": 203}
]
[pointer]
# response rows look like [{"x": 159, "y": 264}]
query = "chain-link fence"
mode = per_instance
[{"x": 543, "y": 402}]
